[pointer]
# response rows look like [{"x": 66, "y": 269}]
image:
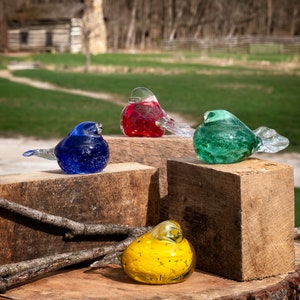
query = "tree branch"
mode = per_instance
[
  {"x": 73, "y": 228},
  {"x": 19, "y": 273},
  {"x": 23, "y": 272}
]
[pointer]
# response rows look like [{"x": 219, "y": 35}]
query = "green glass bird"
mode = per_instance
[{"x": 222, "y": 139}]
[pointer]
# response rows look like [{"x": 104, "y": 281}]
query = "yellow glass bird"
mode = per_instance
[{"x": 160, "y": 256}]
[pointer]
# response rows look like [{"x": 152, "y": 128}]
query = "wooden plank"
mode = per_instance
[
  {"x": 112, "y": 283},
  {"x": 239, "y": 217},
  {"x": 126, "y": 193}
]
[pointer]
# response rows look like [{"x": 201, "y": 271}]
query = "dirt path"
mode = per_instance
[
  {"x": 49, "y": 86},
  {"x": 113, "y": 98}
]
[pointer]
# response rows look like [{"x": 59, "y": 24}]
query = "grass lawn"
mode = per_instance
[
  {"x": 157, "y": 59},
  {"x": 258, "y": 100},
  {"x": 45, "y": 114}
]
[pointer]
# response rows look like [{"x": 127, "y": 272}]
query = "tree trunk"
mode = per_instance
[
  {"x": 294, "y": 20},
  {"x": 3, "y": 26},
  {"x": 131, "y": 30},
  {"x": 269, "y": 16},
  {"x": 87, "y": 55}
]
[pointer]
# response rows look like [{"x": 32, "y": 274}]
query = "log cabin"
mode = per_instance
[{"x": 53, "y": 26}]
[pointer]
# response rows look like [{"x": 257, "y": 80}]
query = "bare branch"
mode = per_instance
[
  {"x": 73, "y": 228},
  {"x": 45, "y": 265},
  {"x": 20, "y": 273}
]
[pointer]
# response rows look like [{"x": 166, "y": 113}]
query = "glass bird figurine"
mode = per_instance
[
  {"x": 160, "y": 256},
  {"x": 222, "y": 139},
  {"x": 82, "y": 151},
  {"x": 144, "y": 117}
]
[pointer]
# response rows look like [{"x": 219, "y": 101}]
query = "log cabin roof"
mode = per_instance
[{"x": 45, "y": 11}]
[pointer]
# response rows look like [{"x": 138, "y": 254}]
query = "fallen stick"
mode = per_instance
[
  {"x": 23, "y": 272},
  {"x": 20, "y": 273},
  {"x": 73, "y": 228}
]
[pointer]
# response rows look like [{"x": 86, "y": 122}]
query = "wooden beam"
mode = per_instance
[
  {"x": 125, "y": 193},
  {"x": 239, "y": 217}
]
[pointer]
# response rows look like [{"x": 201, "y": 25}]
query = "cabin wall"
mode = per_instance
[{"x": 63, "y": 37}]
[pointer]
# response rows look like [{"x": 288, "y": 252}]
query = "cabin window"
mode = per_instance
[
  {"x": 24, "y": 37},
  {"x": 49, "y": 39}
]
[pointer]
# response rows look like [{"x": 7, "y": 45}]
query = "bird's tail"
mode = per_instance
[
  {"x": 43, "y": 153},
  {"x": 272, "y": 141}
]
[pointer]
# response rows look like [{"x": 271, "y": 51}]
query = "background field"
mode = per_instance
[{"x": 260, "y": 90}]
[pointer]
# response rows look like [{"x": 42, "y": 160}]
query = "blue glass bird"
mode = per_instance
[{"x": 82, "y": 151}]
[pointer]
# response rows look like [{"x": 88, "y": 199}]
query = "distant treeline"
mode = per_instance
[
  {"x": 145, "y": 24},
  {"x": 150, "y": 24}
]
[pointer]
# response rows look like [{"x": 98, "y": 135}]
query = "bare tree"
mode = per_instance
[
  {"x": 93, "y": 30},
  {"x": 155, "y": 20},
  {"x": 3, "y": 26},
  {"x": 143, "y": 24},
  {"x": 269, "y": 16},
  {"x": 130, "y": 40}
]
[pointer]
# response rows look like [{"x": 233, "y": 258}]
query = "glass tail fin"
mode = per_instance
[
  {"x": 272, "y": 142},
  {"x": 43, "y": 153},
  {"x": 180, "y": 129}
]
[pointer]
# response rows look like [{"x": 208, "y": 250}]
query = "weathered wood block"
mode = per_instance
[
  {"x": 150, "y": 151},
  {"x": 239, "y": 217},
  {"x": 125, "y": 193}
]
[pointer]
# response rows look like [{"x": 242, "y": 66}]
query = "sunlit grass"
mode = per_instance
[
  {"x": 45, "y": 114},
  {"x": 259, "y": 100}
]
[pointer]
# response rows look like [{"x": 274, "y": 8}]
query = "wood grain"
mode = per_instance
[
  {"x": 112, "y": 283},
  {"x": 150, "y": 151},
  {"x": 239, "y": 217},
  {"x": 125, "y": 193}
]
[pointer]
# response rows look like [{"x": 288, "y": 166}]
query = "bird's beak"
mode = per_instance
[
  {"x": 175, "y": 235},
  {"x": 99, "y": 128}
]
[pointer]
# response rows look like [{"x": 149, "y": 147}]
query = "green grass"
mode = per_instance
[
  {"x": 190, "y": 61},
  {"x": 155, "y": 59},
  {"x": 167, "y": 62},
  {"x": 258, "y": 98},
  {"x": 268, "y": 100},
  {"x": 45, "y": 114},
  {"x": 259, "y": 57},
  {"x": 4, "y": 61}
]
